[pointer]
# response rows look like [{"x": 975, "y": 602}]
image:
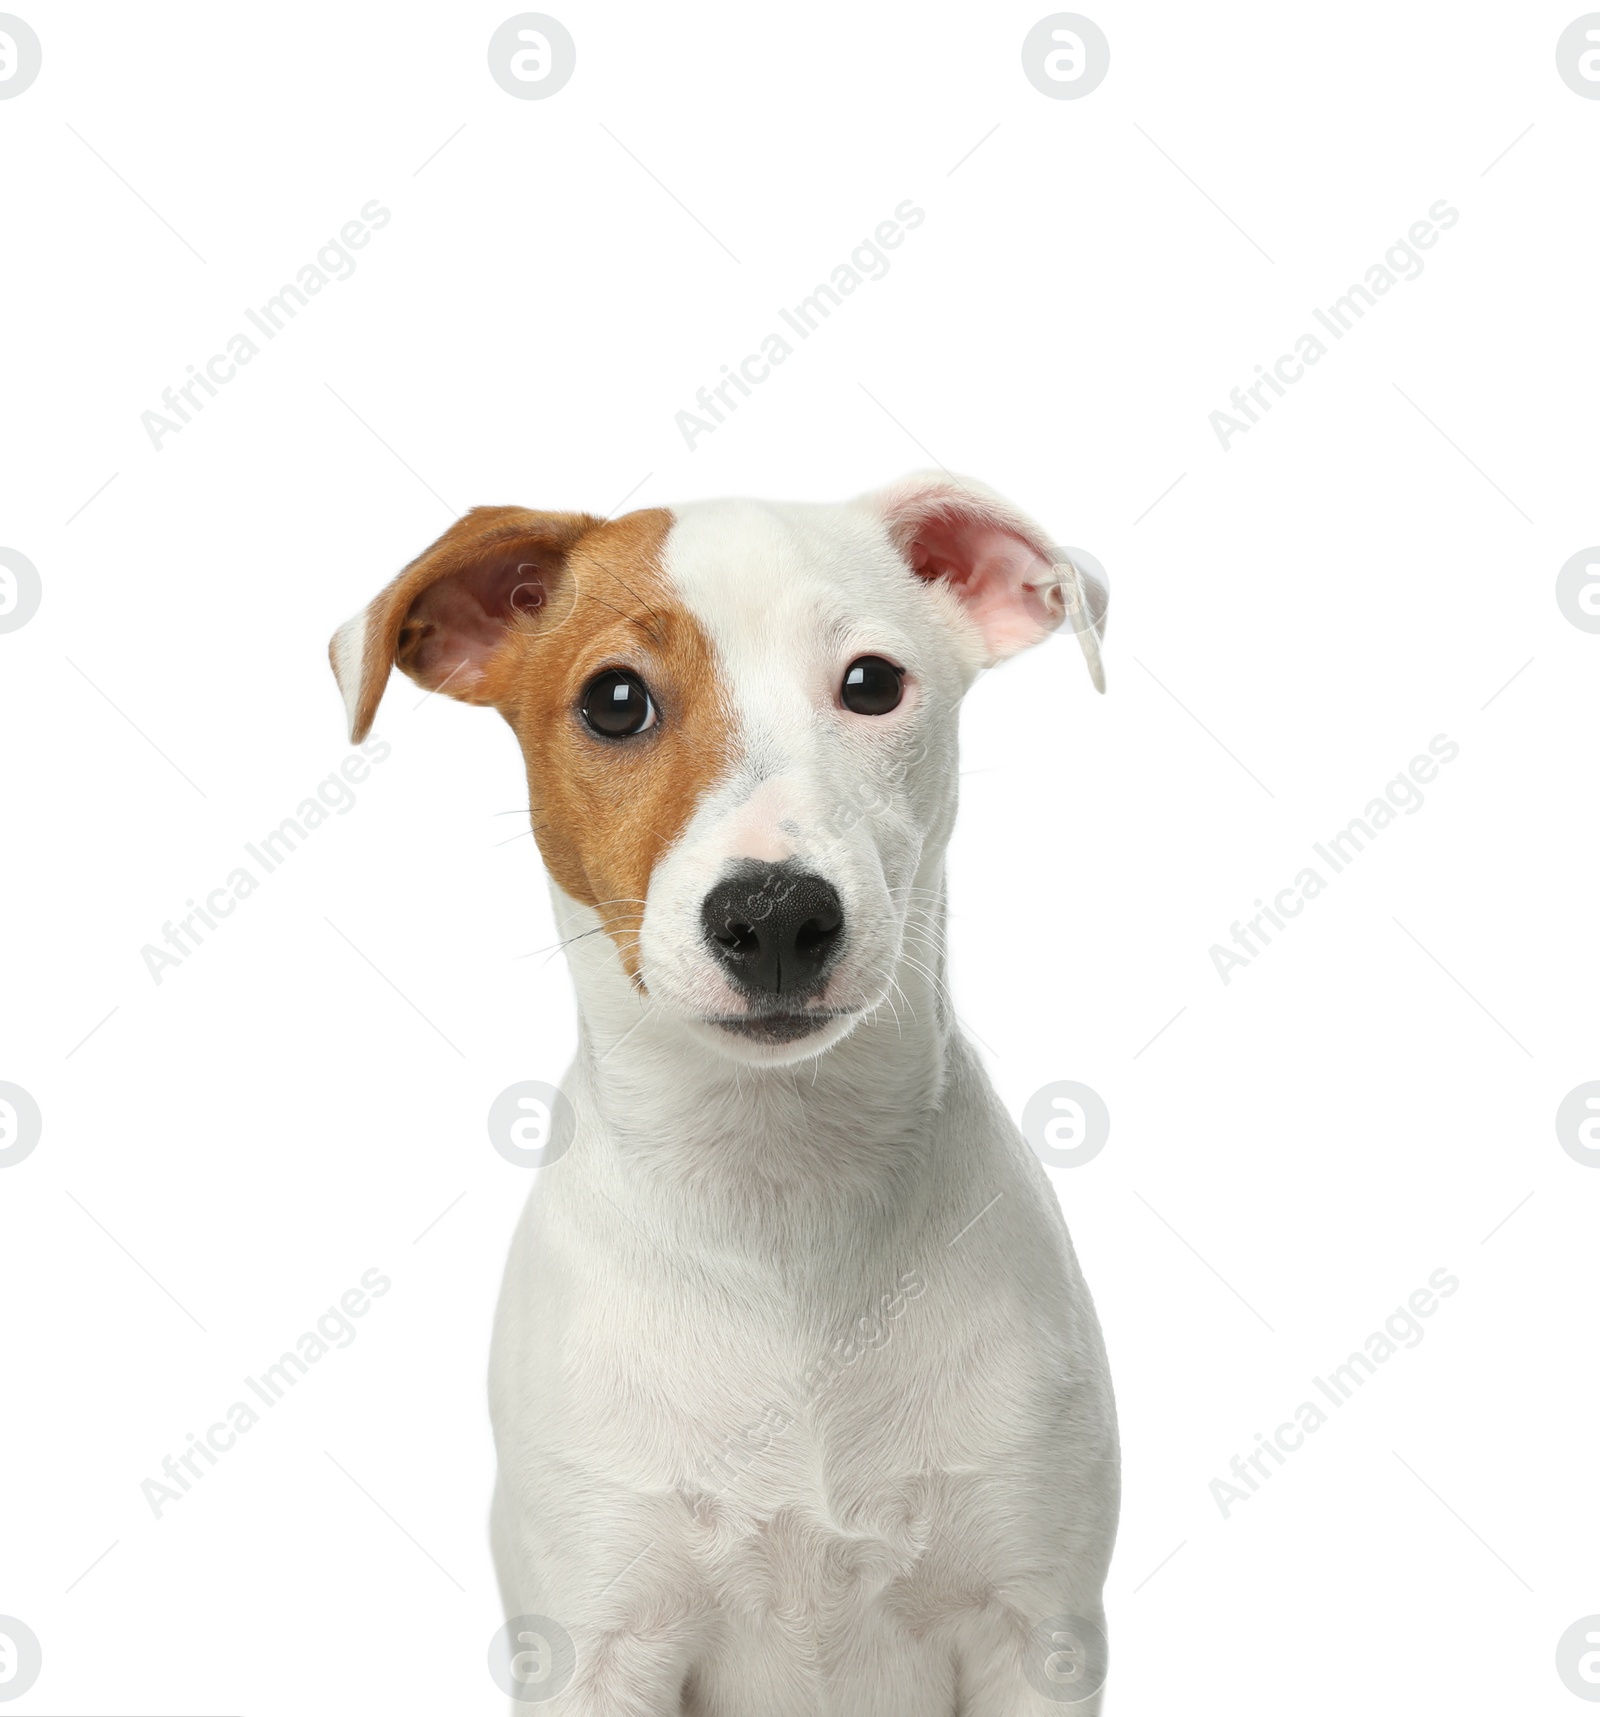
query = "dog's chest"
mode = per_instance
[
  {"x": 810, "y": 1479},
  {"x": 812, "y": 1518}
]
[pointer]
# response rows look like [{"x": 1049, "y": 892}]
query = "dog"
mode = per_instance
[{"x": 799, "y": 1399}]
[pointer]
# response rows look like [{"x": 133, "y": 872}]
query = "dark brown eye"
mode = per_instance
[
  {"x": 871, "y": 686},
  {"x": 618, "y": 706}
]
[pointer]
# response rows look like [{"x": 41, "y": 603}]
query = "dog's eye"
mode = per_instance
[
  {"x": 871, "y": 686},
  {"x": 618, "y": 705}
]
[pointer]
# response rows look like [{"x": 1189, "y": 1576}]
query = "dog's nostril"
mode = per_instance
[
  {"x": 816, "y": 935},
  {"x": 775, "y": 930}
]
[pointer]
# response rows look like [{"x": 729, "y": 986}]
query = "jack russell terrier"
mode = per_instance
[{"x": 800, "y": 1402}]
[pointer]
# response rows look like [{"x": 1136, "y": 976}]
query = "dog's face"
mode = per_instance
[{"x": 739, "y": 723}]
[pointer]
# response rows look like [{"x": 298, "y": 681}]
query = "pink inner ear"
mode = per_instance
[
  {"x": 1005, "y": 586},
  {"x": 461, "y": 621}
]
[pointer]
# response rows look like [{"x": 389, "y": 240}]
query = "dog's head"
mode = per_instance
[{"x": 739, "y": 722}]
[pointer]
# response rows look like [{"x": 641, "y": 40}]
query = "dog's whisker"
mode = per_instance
[
  {"x": 636, "y": 596},
  {"x": 939, "y": 984},
  {"x": 650, "y": 1008},
  {"x": 567, "y": 941}
]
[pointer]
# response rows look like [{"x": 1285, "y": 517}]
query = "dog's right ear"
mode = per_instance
[
  {"x": 453, "y": 607},
  {"x": 1011, "y": 583}
]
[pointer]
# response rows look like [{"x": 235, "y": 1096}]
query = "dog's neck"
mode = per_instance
[{"x": 744, "y": 1145}]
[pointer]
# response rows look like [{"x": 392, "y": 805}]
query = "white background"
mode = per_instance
[{"x": 1290, "y": 624}]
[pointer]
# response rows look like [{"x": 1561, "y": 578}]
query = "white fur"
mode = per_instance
[
  {"x": 732, "y": 1510},
  {"x": 349, "y": 651}
]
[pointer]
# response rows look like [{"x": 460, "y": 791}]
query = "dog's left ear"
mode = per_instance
[{"x": 1012, "y": 583}]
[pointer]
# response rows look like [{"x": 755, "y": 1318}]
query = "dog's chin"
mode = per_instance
[{"x": 776, "y": 1037}]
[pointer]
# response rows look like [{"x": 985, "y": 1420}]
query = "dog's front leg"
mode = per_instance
[
  {"x": 637, "y": 1670},
  {"x": 627, "y": 1675},
  {"x": 627, "y": 1621},
  {"x": 1057, "y": 1668}
]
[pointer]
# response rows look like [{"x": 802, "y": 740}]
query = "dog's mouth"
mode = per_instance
[{"x": 779, "y": 1026}]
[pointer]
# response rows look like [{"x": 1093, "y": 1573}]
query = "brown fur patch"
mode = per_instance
[
  {"x": 604, "y": 811},
  {"x": 521, "y": 610}
]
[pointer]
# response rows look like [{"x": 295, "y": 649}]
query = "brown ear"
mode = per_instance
[{"x": 451, "y": 609}]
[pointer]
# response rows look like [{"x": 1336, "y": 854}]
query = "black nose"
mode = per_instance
[{"x": 774, "y": 928}]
